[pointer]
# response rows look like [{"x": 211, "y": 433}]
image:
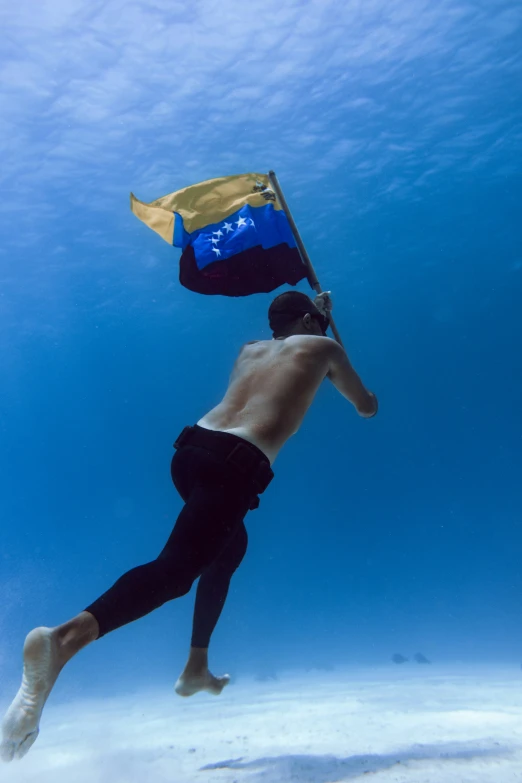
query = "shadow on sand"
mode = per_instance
[{"x": 324, "y": 769}]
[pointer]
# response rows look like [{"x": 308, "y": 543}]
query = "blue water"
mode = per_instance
[{"x": 396, "y": 131}]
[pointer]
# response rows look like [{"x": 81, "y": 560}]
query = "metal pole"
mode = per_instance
[{"x": 312, "y": 277}]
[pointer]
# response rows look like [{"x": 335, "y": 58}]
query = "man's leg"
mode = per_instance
[
  {"x": 210, "y": 599},
  {"x": 205, "y": 526}
]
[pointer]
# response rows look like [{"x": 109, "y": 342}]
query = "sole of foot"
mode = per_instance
[{"x": 20, "y": 726}]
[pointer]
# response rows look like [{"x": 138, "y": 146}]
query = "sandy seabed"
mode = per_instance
[{"x": 426, "y": 724}]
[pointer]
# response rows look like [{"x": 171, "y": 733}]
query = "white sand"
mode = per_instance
[{"x": 425, "y": 725}]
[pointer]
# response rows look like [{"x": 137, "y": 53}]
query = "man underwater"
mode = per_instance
[{"x": 220, "y": 467}]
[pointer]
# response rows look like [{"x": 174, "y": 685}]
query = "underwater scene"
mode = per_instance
[{"x": 260, "y": 420}]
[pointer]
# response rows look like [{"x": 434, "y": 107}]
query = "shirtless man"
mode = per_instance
[{"x": 219, "y": 468}]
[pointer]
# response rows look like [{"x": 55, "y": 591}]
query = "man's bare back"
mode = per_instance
[{"x": 273, "y": 384}]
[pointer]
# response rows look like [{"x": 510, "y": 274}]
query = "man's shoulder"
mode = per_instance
[
  {"x": 311, "y": 341},
  {"x": 255, "y": 346},
  {"x": 251, "y": 343}
]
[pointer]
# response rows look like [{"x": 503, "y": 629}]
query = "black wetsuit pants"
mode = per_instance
[{"x": 219, "y": 476}]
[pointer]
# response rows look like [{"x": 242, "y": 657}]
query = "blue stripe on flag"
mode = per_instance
[{"x": 248, "y": 227}]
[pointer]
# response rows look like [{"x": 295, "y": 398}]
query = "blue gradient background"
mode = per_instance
[{"x": 396, "y": 131}]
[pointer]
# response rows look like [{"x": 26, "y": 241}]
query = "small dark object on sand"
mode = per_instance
[
  {"x": 420, "y": 658},
  {"x": 398, "y": 658},
  {"x": 266, "y": 673}
]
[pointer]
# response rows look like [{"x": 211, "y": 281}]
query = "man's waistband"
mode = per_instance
[{"x": 246, "y": 458}]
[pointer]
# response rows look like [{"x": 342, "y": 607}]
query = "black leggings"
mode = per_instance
[{"x": 209, "y": 541}]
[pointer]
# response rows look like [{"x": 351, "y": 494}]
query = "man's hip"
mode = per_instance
[{"x": 244, "y": 460}]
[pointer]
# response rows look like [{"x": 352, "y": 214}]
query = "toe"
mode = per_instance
[
  {"x": 218, "y": 683},
  {"x": 7, "y": 751},
  {"x": 224, "y": 680},
  {"x": 26, "y": 744}
]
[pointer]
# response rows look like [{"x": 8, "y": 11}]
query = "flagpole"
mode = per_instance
[{"x": 312, "y": 277}]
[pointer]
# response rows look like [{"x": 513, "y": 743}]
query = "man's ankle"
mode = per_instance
[
  {"x": 197, "y": 661},
  {"x": 76, "y": 634}
]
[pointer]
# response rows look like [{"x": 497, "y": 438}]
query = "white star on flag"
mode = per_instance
[
  {"x": 252, "y": 223},
  {"x": 241, "y": 222},
  {"x": 228, "y": 227},
  {"x": 218, "y": 233},
  {"x": 217, "y": 251},
  {"x": 214, "y": 240}
]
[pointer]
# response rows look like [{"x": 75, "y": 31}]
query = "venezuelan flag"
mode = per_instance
[{"x": 235, "y": 235}]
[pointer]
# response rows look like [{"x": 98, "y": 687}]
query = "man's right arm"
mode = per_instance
[{"x": 348, "y": 383}]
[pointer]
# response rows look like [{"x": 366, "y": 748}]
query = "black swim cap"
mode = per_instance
[{"x": 288, "y": 307}]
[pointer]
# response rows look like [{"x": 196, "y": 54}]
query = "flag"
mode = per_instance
[{"x": 234, "y": 234}]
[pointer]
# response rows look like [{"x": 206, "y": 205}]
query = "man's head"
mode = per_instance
[{"x": 295, "y": 313}]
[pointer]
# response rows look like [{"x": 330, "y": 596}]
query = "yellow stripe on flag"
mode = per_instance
[
  {"x": 203, "y": 204},
  {"x": 157, "y": 218}
]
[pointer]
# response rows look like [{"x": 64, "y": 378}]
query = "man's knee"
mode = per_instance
[
  {"x": 231, "y": 557},
  {"x": 175, "y": 581}
]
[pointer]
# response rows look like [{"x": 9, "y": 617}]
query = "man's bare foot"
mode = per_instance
[
  {"x": 42, "y": 666},
  {"x": 189, "y": 684}
]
